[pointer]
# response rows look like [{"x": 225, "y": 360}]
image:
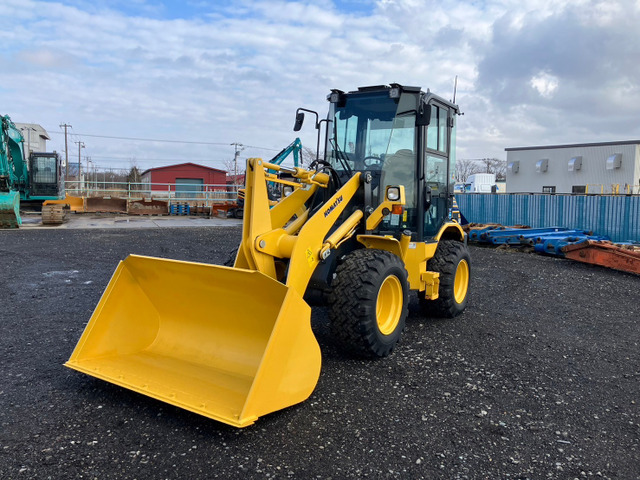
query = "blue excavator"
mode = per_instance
[
  {"x": 274, "y": 188},
  {"x": 34, "y": 179}
]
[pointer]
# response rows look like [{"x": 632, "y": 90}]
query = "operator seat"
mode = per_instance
[{"x": 400, "y": 169}]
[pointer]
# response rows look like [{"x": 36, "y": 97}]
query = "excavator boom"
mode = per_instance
[{"x": 13, "y": 173}]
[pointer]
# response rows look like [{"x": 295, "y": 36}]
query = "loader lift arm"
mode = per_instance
[
  {"x": 270, "y": 233},
  {"x": 265, "y": 237}
]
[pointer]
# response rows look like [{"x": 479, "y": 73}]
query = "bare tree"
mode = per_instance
[
  {"x": 489, "y": 165},
  {"x": 496, "y": 166},
  {"x": 111, "y": 176},
  {"x": 466, "y": 167},
  {"x": 230, "y": 167},
  {"x": 134, "y": 175},
  {"x": 500, "y": 169},
  {"x": 308, "y": 155},
  {"x": 469, "y": 166}
]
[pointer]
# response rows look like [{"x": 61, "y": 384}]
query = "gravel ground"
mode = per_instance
[{"x": 539, "y": 378}]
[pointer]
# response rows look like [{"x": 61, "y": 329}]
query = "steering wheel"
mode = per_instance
[{"x": 377, "y": 163}]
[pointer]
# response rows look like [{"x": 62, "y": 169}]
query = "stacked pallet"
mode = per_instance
[{"x": 180, "y": 209}]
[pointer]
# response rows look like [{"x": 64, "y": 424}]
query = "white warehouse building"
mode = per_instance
[
  {"x": 35, "y": 137},
  {"x": 609, "y": 168}
]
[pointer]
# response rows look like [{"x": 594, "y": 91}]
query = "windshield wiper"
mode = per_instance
[{"x": 344, "y": 161}]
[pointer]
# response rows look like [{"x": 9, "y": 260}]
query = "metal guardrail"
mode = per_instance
[{"x": 206, "y": 194}]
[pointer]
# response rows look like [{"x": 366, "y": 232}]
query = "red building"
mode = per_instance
[{"x": 185, "y": 179}]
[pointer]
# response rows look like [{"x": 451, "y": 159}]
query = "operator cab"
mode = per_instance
[
  {"x": 401, "y": 136},
  {"x": 46, "y": 176}
]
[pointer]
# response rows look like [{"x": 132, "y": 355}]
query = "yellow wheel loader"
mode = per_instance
[{"x": 360, "y": 229}]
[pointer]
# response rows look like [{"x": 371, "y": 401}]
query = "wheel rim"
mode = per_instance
[
  {"x": 389, "y": 305},
  {"x": 461, "y": 282}
]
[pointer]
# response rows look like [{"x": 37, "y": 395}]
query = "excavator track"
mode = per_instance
[{"x": 53, "y": 214}]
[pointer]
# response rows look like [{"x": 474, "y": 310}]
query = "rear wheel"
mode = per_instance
[
  {"x": 452, "y": 262},
  {"x": 369, "y": 302}
]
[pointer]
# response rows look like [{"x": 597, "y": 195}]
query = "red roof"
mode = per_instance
[
  {"x": 155, "y": 169},
  {"x": 237, "y": 179}
]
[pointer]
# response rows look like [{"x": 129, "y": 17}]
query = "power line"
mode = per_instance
[
  {"x": 151, "y": 159},
  {"x": 261, "y": 148},
  {"x": 138, "y": 139}
]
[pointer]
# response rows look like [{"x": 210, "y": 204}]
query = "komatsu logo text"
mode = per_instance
[{"x": 332, "y": 206}]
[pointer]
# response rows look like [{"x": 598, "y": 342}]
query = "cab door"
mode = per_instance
[{"x": 437, "y": 169}]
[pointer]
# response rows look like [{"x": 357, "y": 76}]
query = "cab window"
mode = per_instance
[{"x": 437, "y": 130}]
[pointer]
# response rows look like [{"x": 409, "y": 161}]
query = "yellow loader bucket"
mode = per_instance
[
  {"x": 76, "y": 204},
  {"x": 227, "y": 343}
]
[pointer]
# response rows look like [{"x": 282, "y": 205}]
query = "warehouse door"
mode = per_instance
[{"x": 189, "y": 187}]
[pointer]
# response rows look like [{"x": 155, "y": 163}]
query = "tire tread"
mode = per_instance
[
  {"x": 445, "y": 261},
  {"x": 353, "y": 299}
]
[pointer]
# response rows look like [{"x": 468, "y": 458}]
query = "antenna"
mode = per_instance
[{"x": 455, "y": 88}]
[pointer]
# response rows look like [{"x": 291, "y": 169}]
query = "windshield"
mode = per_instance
[
  {"x": 369, "y": 128},
  {"x": 43, "y": 169},
  {"x": 375, "y": 133}
]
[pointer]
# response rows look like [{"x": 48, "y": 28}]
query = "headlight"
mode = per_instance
[{"x": 393, "y": 194}]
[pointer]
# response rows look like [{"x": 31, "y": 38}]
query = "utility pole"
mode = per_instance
[
  {"x": 88, "y": 172},
  {"x": 239, "y": 147},
  {"x": 80, "y": 145},
  {"x": 66, "y": 151},
  {"x": 28, "y": 129}
]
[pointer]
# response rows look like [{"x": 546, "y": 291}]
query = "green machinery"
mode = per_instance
[{"x": 37, "y": 178}]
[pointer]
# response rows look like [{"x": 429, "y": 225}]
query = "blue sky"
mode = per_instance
[
  {"x": 203, "y": 9},
  {"x": 530, "y": 73}
]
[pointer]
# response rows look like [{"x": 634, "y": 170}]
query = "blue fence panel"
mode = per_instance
[{"x": 617, "y": 217}]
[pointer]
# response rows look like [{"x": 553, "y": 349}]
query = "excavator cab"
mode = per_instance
[
  {"x": 364, "y": 227},
  {"x": 46, "y": 180}
]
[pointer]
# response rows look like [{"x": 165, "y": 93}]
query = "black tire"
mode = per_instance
[
  {"x": 239, "y": 213},
  {"x": 362, "y": 322},
  {"x": 452, "y": 262}
]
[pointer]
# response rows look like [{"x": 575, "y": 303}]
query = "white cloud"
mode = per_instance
[
  {"x": 545, "y": 83},
  {"x": 238, "y": 72}
]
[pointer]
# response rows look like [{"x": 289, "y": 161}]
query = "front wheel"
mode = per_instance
[
  {"x": 451, "y": 261},
  {"x": 369, "y": 302}
]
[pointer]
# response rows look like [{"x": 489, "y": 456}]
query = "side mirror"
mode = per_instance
[
  {"x": 299, "y": 121},
  {"x": 424, "y": 116}
]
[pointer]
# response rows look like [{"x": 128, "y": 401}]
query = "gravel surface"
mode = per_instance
[{"x": 539, "y": 378}]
